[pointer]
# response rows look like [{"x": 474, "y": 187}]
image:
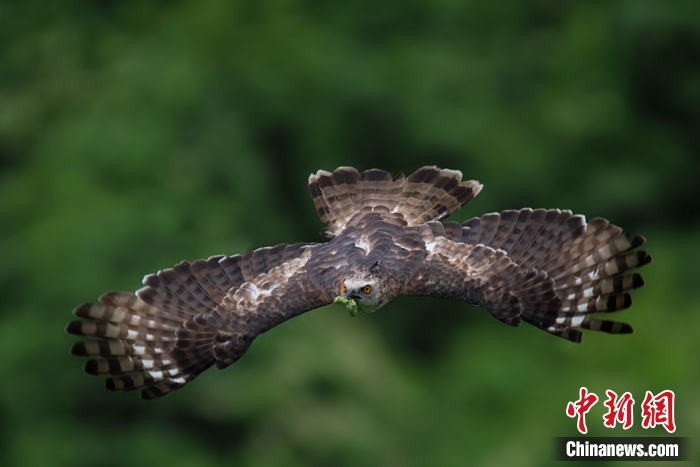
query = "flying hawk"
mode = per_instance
[{"x": 548, "y": 268}]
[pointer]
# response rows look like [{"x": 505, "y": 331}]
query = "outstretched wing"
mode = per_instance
[
  {"x": 193, "y": 316},
  {"x": 546, "y": 267}
]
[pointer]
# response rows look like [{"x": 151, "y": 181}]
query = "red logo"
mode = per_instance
[
  {"x": 581, "y": 407},
  {"x": 658, "y": 410},
  {"x": 618, "y": 410}
]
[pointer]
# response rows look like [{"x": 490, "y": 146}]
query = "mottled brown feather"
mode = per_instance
[
  {"x": 548, "y": 268},
  {"x": 426, "y": 195}
]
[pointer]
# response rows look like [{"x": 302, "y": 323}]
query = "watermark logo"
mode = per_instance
[
  {"x": 618, "y": 410},
  {"x": 581, "y": 407},
  {"x": 656, "y": 409},
  {"x": 622, "y": 448}
]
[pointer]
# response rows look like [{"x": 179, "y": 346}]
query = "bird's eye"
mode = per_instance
[
  {"x": 343, "y": 288},
  {"x": 367, "y": 289}
]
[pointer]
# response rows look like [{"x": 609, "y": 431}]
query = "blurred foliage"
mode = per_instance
[{"x": 135, "y": 134}]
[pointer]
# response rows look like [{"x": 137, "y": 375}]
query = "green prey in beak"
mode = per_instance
[
  {"x": 349, "y": 304},
  {"x": 354, "y": 307}
]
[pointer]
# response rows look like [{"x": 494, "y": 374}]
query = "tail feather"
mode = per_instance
[
  {"x": 426, "y": 195},
  {"x": 432, "y": 194},
  {"x": 374, "y": 187},
  {"x": 346, "y": 181}
]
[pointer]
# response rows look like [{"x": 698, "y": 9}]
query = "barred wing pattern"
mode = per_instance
[
  {"x": 428, "y": 194},
  {"x": 193, "y": 316},
  {"x": 546, "y": 267}
]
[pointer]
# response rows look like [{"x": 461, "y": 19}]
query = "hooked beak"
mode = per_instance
[{"x": 353, "y": 296}]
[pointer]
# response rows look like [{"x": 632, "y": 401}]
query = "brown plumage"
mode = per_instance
[{"x": 548, "y": 268}]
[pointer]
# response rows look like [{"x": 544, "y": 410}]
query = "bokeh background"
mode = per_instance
[{"x": 136, "y": 134}]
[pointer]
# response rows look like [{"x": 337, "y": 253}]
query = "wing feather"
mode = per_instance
[
  {"x": 192, "y": 316},
  {"x": 546, "y": 267}
]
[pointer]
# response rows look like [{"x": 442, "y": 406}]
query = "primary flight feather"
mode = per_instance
[{"x": 548, "y": 268}]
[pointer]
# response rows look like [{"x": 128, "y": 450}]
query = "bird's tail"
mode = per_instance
[
  {"x": 591, "y": 266},
  {"x": 427, "y": 194},
  {"x": 140, "y": 346}
]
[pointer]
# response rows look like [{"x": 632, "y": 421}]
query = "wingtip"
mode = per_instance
[
  {"x": 78, "y": 350},
  {"x": 75, "y": 328},
  {"x": 475, "y": 185},
  {"x": 637, "y": 241}
]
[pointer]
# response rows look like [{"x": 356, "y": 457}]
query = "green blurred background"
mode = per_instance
[{"x": 136, "y": 134}]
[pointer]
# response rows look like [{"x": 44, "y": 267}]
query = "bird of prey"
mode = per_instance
[{"x": 549, "y": 268}]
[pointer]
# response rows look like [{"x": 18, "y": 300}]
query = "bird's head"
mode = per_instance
[{"x": 364, "y": 288}]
